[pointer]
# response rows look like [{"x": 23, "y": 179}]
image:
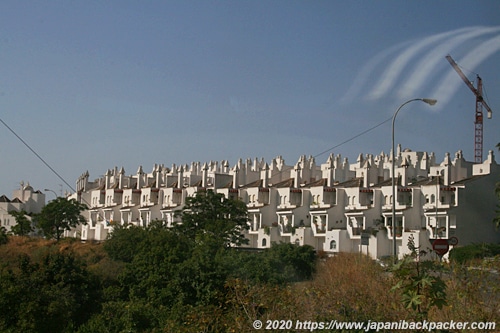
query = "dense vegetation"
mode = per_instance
[
  {"x": 140, "y": 280},
  {"x": 149, "y": 280},
  {"x": 187, "y": 279}
]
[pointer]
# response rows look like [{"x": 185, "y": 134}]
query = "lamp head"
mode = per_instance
[{"x": 429, "y": 101}]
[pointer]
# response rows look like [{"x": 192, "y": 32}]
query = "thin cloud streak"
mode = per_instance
[
  {"x": 390, "y": 75},
  {"x": 355, "y": 90},
  {"x": 430, "y": 62},
  {"x": 451, "y": 82}
]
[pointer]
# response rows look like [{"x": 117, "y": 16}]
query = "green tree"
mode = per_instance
[
  {"x": 59, "y": 215},
  {"x": 282, "y": 263},
  {"x": 54, "y": 294},
  {"x": 3, "y": 236},
  {"x": 124, "y": 242},
  {"x": 23, "y": 223},
  {"x": 212, "y": 215},
  {"x": 154, "y": 274}
]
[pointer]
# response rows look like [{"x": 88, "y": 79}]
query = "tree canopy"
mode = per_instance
[
  {"x": 210, "y": 215},
  {"x": 23, "y": 224},
  {"x": 187, "y": 278},
  {"x": 59, "y": 215},
  {"x": 3, "y": 236},
  {"x": 49, "y": 295}
]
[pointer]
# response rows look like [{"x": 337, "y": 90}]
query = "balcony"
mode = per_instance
[
  {"x": 172, "y": 198},
  {"x": 363, "y": 200},
  {"x": 319, "y": 225},
  {"x": 149, "y": 197},
  {"x": 326, "y": 199},
  {"x": 254, "y": 223},
  {"x": 290, "y": 199},
  {"x": 355, "y": 225},
  {"x": 97, "y": 199},
  {"x": 113, "y": 197},
  {"x": 258, "y": 198},
  {"x": 399, "y": 226}
]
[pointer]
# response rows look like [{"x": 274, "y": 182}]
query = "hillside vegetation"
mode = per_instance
[
  {"x": 190, "y": 278},
  {"x": 149, "y": 280}
]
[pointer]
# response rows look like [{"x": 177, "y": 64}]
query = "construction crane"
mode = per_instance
[{"x": 478, "y": 123}]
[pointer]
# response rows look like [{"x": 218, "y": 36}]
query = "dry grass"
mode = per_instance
[
  {"x": 36, "y": 248},
  {"x": 350, "y": 287},
  {"x": 473, "y": 293}
]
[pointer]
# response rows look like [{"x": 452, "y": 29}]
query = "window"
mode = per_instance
[
  {"x": 264, "y": 242},
  {"x": 333, "y": 245}
]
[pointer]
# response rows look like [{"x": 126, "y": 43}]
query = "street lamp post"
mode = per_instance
[
  {"x": 425, "y": 100},
  {"x": 48, "y": 190}
]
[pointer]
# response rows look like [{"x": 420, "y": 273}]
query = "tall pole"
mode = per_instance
[
  {"x": 49, "y": 190},
  {"x": 393, "y": 176}
]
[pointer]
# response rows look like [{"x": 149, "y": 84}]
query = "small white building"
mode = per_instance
[
  {"x": 25, "y": 198},
  {"x": 334, "y": 207}
]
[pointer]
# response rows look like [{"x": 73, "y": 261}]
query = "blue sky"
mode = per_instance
[{"x": 90, "y": 85}]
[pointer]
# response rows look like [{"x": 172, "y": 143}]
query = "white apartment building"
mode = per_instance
[
  {"x": 335, "y": 207},
  {"x": 25, "y": 198}
]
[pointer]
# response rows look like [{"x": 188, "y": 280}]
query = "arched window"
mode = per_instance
[
  {"x": 264, "y": 242},
  {"x": 333, "y": 245}
]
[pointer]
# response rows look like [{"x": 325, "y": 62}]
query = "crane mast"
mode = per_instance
[{"x": 480, "y": 103}]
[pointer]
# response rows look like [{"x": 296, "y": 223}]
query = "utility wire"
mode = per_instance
[
  {"x": 37, "y": 155},
  {"x": 354, "y": 137},
  {"x": 44, "y": 162},
  {"x": 343, "y": 142},
  {"x": 70, "y": 187}
]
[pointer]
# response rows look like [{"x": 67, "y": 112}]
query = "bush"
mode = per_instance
[
  {"x": 53, "y": 295},
  {"x": 474, "y": 251},
  {"x": 3, "y": 236}
]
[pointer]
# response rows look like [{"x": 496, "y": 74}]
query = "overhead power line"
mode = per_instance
[
  {"x": 70, "y": 187},
  {"x": 37, "y": 155},
  {"x": 354, "y": 137}
]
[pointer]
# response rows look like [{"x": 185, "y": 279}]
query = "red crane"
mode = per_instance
[{"x": 478, "y": 123}]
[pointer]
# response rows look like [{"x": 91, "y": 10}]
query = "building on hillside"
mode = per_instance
[
  {"x": 25, "y": 198},
  {"x": 334, "y": 207}
]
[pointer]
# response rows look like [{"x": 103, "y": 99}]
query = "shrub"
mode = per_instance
[{"x": 474, "y": 251}]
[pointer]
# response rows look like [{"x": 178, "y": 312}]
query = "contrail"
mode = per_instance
[
  {"x": 430, "y": 62},
  {"x": 450, "y": 83},
  {"x": 364, "y": 74},
  {"x": 394, "y": 70}
]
